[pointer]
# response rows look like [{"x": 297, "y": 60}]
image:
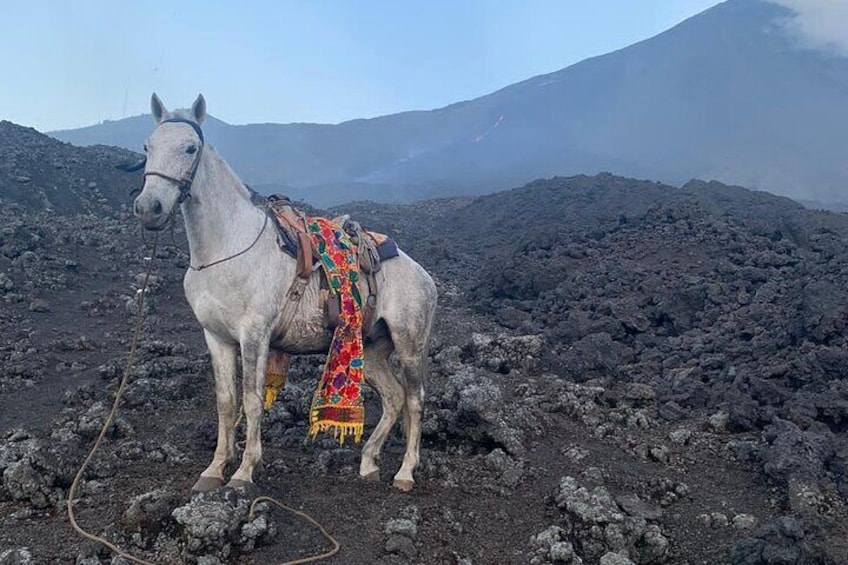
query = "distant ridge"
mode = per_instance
[{"x": 725, "y": 95}]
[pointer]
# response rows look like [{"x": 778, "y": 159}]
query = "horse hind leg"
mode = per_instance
[
  {"x": 224, "y": 367},
  {"x": 378, "y": 373},
  {"x": 414, "y": 365}
]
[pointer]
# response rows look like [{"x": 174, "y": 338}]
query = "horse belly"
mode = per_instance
[{"x": 307, "y": 334}]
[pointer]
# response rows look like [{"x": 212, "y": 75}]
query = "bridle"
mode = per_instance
[{"x": 184, "y": 185}]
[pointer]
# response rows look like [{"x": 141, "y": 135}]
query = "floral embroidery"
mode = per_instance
[{"x": 337, "y": 406}]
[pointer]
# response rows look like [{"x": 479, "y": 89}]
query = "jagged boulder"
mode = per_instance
[{"x": 217, "y": 525}]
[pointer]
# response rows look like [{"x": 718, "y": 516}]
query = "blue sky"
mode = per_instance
[{"x": 68, "y": 64}]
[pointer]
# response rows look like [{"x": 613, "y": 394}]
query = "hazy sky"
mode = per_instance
[
  {"x": 73, "y": 63},
  {"x": 820, "y": 24}
]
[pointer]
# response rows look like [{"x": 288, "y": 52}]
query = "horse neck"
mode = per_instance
[{"x": 219, "y": 217}]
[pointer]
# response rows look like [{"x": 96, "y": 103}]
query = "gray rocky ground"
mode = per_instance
[{"x": 622, "y": 372}]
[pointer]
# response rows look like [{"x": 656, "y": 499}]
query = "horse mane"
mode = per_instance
[{"x": 256, "y": 198}]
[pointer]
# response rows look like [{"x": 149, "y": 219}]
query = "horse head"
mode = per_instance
[{"x": 173, "y": 152}]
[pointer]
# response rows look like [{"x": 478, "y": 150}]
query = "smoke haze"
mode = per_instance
[{"x": 819, "y": 24}]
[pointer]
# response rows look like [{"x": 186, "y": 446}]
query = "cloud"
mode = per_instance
[{"x": 819, "y": 24}]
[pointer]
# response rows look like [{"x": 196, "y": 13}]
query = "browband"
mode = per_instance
[{"x": 131, "y": 168}]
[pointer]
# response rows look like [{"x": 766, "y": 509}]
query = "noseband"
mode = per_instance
[{"x": 184, "y": 183}]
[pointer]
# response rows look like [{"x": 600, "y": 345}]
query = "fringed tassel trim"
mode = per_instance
[{"x": 339, "y": 430}]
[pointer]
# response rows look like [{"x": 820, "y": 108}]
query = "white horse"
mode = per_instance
[{"x": 236, "y": 285}]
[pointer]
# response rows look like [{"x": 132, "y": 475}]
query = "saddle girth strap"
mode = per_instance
[{"x": 370, "y": 304}]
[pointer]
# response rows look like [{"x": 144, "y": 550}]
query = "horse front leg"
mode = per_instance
[
  {"x": 254, "y": 358},
  {"x": 224, "y": 367}
]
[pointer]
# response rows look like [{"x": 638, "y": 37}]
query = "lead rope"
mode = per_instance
[
  {"x": 130, "y": 364},
  {"x": 308, "y": 518},
  {"x": 131, "y": 358}
]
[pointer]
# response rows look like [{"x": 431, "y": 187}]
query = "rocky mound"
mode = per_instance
[
  {"x": 719, "y": 301},
  {"x": 40, "y": 172}
]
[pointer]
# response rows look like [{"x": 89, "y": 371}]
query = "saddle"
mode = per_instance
[{"x": 373, "y": 249}]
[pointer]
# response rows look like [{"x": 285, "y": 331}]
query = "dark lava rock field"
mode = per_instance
[{"x": 623, "y": 372}]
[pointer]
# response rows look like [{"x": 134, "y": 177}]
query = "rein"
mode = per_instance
[{"x": 242, "y": 252}]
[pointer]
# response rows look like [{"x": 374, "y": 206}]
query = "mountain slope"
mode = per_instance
[
  {"x": 725, "y": 95},
  {"x": 40, "y": 173}
]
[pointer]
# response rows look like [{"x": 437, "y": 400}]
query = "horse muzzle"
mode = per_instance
[{"x": 151, "y": 213}]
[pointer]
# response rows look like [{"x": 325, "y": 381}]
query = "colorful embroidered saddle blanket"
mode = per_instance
[{"x": 337, "y": 406}]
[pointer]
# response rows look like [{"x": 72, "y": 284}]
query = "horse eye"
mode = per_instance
[
  {"x": 145, "y": 147},
  {"x": 191, "y": 149}
]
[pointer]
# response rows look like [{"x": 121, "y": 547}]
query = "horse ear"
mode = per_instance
[
  {"x": 158, "y": 109},
  {"x": 198, "y": 109}
]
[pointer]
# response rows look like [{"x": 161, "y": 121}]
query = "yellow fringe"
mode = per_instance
[
  {"x": 270, "y": 397},
  {"x": 274, "y": 382},
  {"x": 275, "y": 376},
  {"x": 339, "y": 430}
]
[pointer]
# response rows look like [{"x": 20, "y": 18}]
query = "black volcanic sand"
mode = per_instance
[{"x": 618, "y": 367}]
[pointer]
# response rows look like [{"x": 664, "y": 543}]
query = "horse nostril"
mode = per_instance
[
  {"x": 157, "y": 207},
  {"x": 136, "y": 211}
]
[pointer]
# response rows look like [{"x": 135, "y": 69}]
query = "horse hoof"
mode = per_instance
[
  {"x": 372, "y": 477},
  {"x": 205, "y": 484},
  {"x": 404, "y": 485},
  {"x": 239, "y": 484}
]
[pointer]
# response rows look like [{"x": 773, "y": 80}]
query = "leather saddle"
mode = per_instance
[{"x": 373, "y": 249}]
